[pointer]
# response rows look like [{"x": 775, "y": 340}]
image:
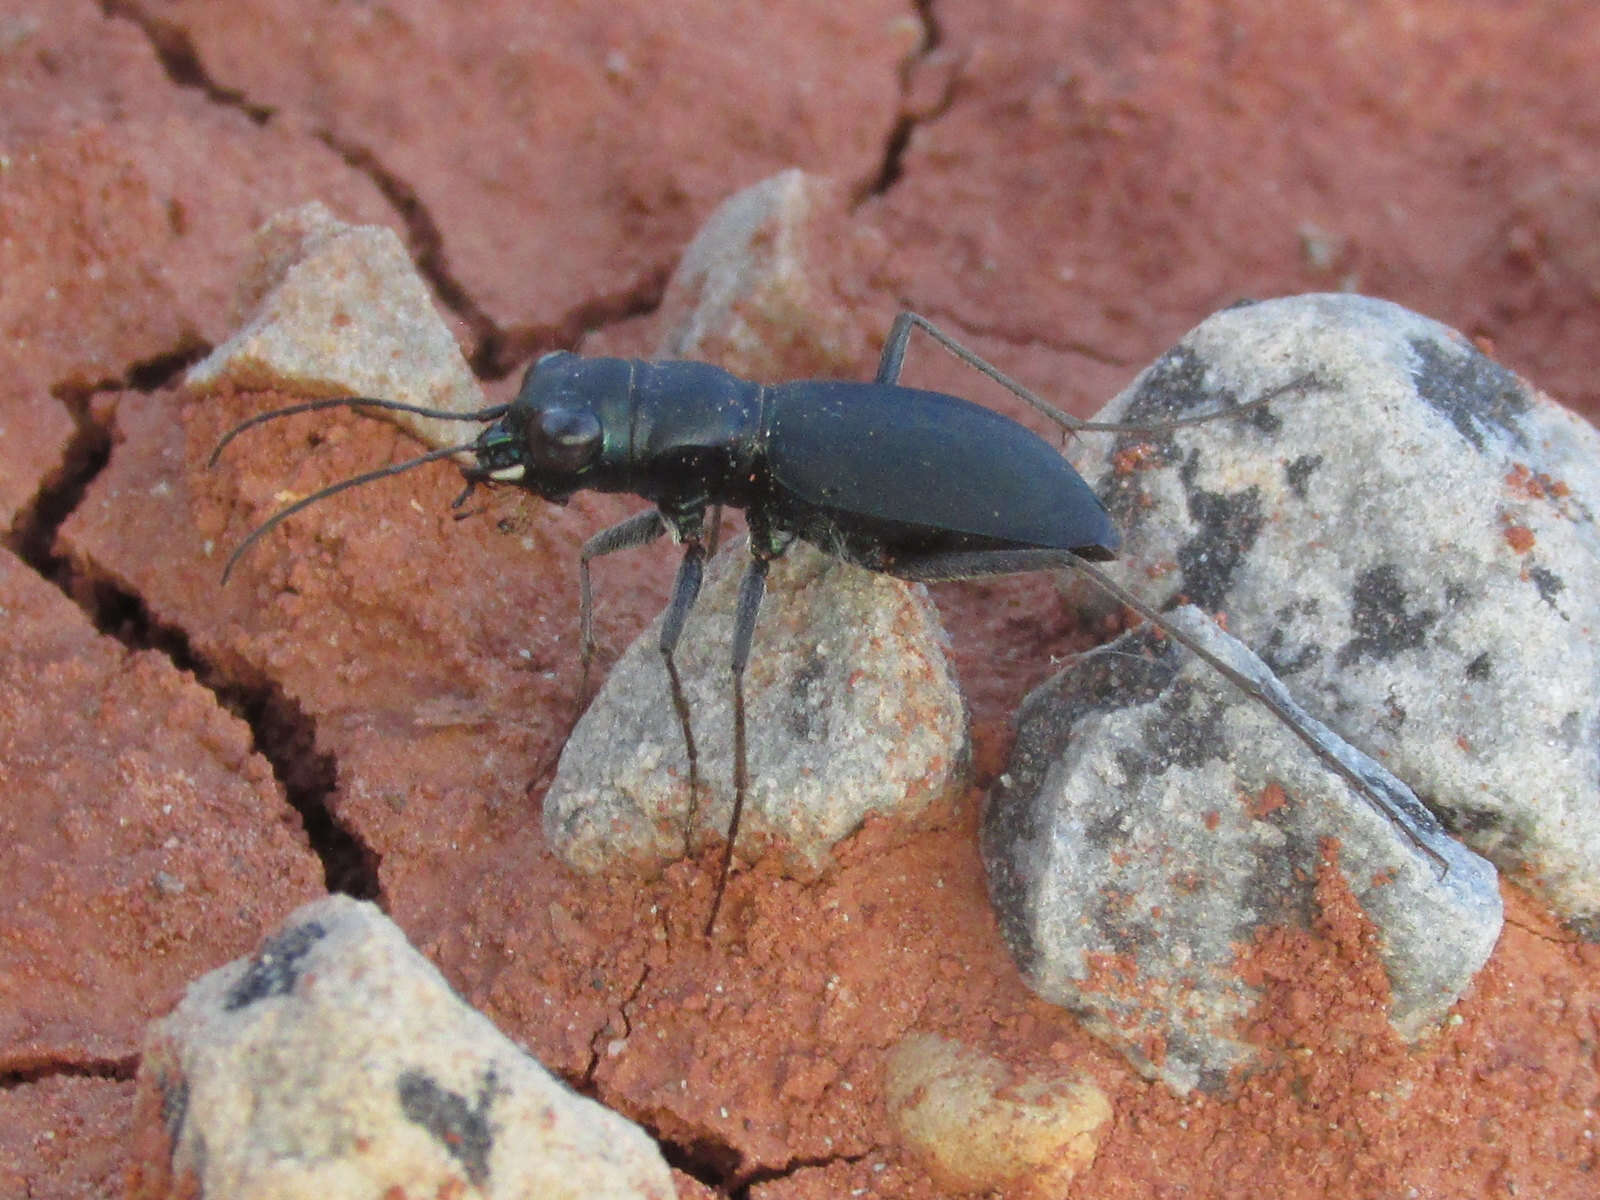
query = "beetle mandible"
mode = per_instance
[{"x": 916, "y": 484}]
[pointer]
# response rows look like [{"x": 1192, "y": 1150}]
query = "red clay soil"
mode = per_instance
[{"x": 373, "y": 702}]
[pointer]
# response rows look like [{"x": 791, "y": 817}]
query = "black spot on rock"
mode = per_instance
[
  {"x": 1265, "y": 420},
  {"x": 1470, "y": 391},
  {"x": 1185, "y": 731},
  {"x": 1174, "y": 386},
  {"x": 460, "y": 1126},
  {"x": 1550, "y": 584},
  {"x": 1381, "y": 620},
  {"x": 1283, "y": 653},
  {"x": 1298, "y": 473},
  {"x": 174, "y": 1091},
  {"x": 276, "y": 967},
  {"x": 804, "y": 716},
  {"x": 1229, "y": 525}
]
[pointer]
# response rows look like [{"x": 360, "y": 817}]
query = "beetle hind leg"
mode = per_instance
[
  {"x": 935, "y": 568},
  {"x": 894, "y": 355},
  {"x": 751, "y": 589}
]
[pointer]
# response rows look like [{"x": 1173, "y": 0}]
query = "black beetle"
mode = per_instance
[{"x": 916, "y": 484}]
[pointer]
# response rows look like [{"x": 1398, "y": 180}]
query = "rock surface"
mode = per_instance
[
  {"x": 1154, "y": 821},
  {"x": 331, "y": 309},
  {"x": 755, "y": 290},
  {"x": 851, "y": 710},
  {"x": 1407, "y": 535},
  {"x": 336, "y": 1062},
  {"x": 986, "y": 1127}
]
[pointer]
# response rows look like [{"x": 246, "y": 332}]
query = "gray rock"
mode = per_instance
[
  {"x": 1407, "y": 537},
  {"x": 331, "y": 309},
  {"x": 338, "y": 1063},
  {"x": 1154, "y": 816},
  {"x": 743, "y": 273},
  {"x": 852, "y": 709},
  {"x": 753, "y": 294}
]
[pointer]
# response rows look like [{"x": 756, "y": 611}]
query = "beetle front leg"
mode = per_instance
[{"x": 638, "y": 530}]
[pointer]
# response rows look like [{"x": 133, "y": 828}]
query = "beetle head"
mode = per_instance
[{"x": 550, "y": 437}]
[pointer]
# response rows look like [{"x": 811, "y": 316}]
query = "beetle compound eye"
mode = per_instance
[{"x": 566, "y": 439}]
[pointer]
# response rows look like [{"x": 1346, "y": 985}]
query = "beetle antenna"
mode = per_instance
[
  {"x": 482, "y": 416},
  {"x": 283, "y": 514}
]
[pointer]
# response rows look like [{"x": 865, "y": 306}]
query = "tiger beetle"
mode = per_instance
[{"x": 916, "y": 484}]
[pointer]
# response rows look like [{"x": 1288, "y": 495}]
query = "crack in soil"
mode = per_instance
[
  {"x": 621, "y": 1015},
  {"x": 521, "y": 343},
  {"x": 1548, "y": 938},
  {"x": 33, "y": 533},
  {"x": 588, "y": 1085},
  {"x": 707, "y": 1160},
  {"x": 497, "y": 351},
  {"x": 905, "y": 124},
  {"x": 743, "y": 1190},
  {"x": 180, "y": 58},
  {"x": 33, "y": 530},
  {"x": 426, "y": 243},
  {"x": 121, "y": 1069},
  {"x": 176, "y": 52},
  {"x": 710, "y": 1160},
  {"x": 282, "y": 732},
  {"x": 163, "y": 370}
]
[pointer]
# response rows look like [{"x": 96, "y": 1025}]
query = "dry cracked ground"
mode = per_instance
[{"x": 373, "y": 709}]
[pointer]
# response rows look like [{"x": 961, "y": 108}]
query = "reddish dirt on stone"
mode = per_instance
[{"x": 1066, "y": 191}]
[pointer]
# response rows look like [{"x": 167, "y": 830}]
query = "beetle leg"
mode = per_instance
[
  {"x": 714, "y": 531},
  {"x": 751, "y": 589},
  {"x": 934, "y": 568},
  {"x": 638, "y": 530},
  {"x": 894, "y": 353},
  {"x": 685, "y": 588},
  {"x": 894, "y": 348}
]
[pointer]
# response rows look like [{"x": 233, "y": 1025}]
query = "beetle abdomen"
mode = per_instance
[{"x": 922, "y": 471}]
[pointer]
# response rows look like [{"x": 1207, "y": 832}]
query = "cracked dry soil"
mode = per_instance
[{"x": 368, "y": 706}]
